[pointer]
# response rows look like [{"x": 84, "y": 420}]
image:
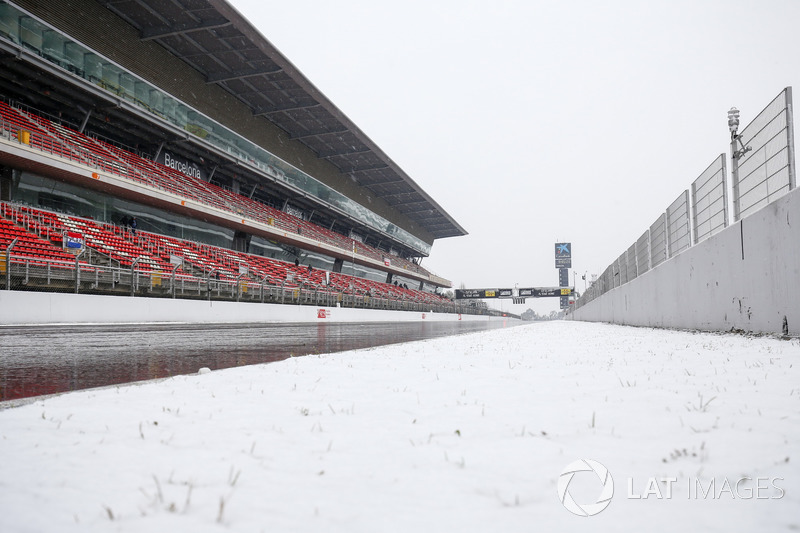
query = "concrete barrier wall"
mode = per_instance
[
  {"x": 746, "y": 277},
  {"x": 18, "y": 307}
]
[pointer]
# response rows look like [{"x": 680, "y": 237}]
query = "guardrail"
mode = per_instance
[{"x": 22, "y": 273}]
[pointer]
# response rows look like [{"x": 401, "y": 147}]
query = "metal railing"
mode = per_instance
[{"x": 21, "y": 273}]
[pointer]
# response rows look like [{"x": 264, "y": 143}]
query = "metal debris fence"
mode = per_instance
[{"x": 763, "y": 170}]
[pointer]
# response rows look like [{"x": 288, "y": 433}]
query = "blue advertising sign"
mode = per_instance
[
  {"x": 563, "y": 255},
  {"x": 73, "y": 240}
]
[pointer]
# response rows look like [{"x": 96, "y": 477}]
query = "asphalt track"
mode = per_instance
[{"x": 39, "y": 360}]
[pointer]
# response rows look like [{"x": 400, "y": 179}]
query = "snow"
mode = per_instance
[{"x": 466, "y": 433}]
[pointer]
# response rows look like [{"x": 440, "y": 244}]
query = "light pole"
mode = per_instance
[
  {"x": 733, "y": 121},
  {"x": 736, "y": 153}
]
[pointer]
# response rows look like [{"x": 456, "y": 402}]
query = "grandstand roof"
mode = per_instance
[{"x": 213, "y": 38}]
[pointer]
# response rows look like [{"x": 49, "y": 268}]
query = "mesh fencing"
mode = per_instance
[
  {"x": 677, "y": 220},
  {"x": 622, "y": 263},
  {"x": 710, "y": 200},
  {"x": 658, "y": 241},
  {"x": 763, "y": 170},
  {"x": 631, "y": 256},
  {"x": 643, "y": 253},
  {"x": 763, "y": 162}
]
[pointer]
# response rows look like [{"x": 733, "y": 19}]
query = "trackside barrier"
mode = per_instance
[
  {"x": 763, "y": 171},
  {"x": 743, "y": 279},
  {"x": 37, "y": 274}
]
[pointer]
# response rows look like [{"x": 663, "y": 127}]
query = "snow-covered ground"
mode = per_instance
[{"x": 467, "y": 433}]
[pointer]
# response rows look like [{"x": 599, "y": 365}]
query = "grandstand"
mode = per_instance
[{"x": 244, "y": 181}]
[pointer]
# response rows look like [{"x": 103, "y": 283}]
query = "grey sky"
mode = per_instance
[{"x": 535, "y": 122}]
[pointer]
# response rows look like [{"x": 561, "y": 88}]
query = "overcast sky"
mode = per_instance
[{"x": 538, "y": 122}]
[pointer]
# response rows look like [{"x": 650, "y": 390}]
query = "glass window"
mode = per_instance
[{"x": 38, "y": 191}]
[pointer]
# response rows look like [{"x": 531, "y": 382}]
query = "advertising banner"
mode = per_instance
[
  {"x": 563, "y": 255},
  {"x": 468, "y": 294},
  {"x": 73, "y": 240}
]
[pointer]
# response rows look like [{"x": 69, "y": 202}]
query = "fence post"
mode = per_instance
[
  {"x": 8, "y": 263},
  {"x": 688, "y": 202},
  {"x": 790, "y": 138},
  {"x": 133, "y": 282},
  {"x": 693, "y": 212},
  {"x": 238, "y": 287},
  {"x": 735, "y": 179},
  {"x": 174, "y": 280},
  {"x": 725, "y": 210},
  {"x": 78, "y": 271}
]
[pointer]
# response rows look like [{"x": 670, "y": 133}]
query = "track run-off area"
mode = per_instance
[{"x": 473, "y": 432}]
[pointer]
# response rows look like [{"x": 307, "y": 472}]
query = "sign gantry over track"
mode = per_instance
[
  {"x": 518, "y": 295},
  {"x": 563, "y": 263}
]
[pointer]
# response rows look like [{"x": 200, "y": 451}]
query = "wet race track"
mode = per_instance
[{"x": 37, "y": 360}]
